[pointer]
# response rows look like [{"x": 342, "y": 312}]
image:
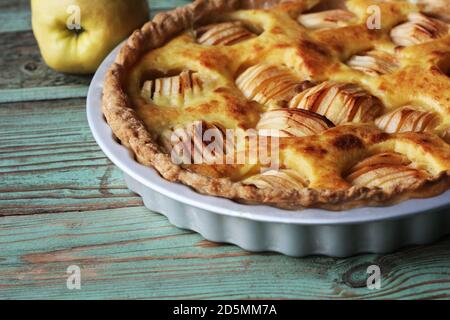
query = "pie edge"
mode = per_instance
[{"x": 131, "y": 131}]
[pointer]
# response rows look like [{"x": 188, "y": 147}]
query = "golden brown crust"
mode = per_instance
[{"x": 132, "y": 131}]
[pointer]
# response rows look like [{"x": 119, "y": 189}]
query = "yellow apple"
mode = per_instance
[{"x": 74, "y": 36}]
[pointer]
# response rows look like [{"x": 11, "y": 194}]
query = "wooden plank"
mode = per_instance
[
  {"x": 137, "y": 254},
  {"x": 14, "y": 21},
  {"x": 161, "y": 4},
  {"x": 52, "y": 164},
  {"x": 23, "y": 67},
  {"x": 24, "y": 76},
  {"x": 15, "y": 15},
  {"x": 52, "y": 171},
  {"x": 44, "y": 93},
  {"x": 14, "y": 5}
]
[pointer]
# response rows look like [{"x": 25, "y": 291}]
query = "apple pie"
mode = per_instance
[{"x": 349, "y": 100}]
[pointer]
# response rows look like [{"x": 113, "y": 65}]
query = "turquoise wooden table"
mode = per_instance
[{"x": 62, "y": 204}]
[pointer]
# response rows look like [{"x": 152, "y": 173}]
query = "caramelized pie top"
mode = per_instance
[{"x": 362, "y": 114}]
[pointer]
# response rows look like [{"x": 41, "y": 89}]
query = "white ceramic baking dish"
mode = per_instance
[{"x": 263, "y": 228}]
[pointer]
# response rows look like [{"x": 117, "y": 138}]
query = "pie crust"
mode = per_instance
[{"x": 405, "y": 164}]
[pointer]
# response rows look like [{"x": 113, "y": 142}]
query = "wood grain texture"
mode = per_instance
[
  {"x": 136, "y": 254},
  {"x": 24, "y": 76},
  {"x": 63, "y": 203},
  {"x": 52, "y": 164},
  {"x": 16, "y": 16},
  {"x": 23, "y": 66}
]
